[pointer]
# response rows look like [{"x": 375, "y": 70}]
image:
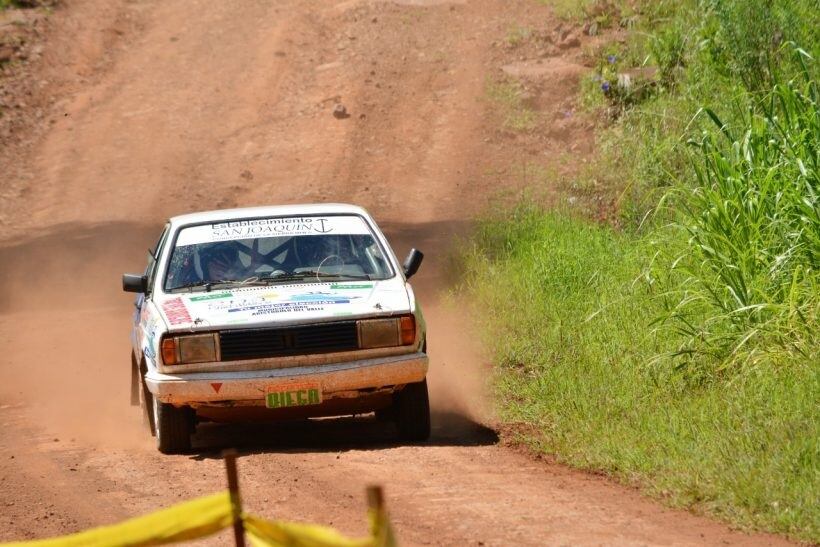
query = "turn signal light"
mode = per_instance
[
  {"x": 408, "y": 330},
  {"x": 169, "y": 351}
]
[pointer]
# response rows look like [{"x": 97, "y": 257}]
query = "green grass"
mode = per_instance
[
  {"x": 678, "y": 347},
  {"x": 517, "y": 35},
  {"x": 507, "y": 96},
  {"x": 747, "y": 284},
  {"x": 571, "y": 10},
  {"x": 605, "y": 13},
  {"x": 8, "y": 4},
  {"x": 570, "y": 325}
]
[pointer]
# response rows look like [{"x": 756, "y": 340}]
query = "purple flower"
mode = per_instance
[
  {"x": 611, "y": 59},
  {"x": 605, "y": 87}
]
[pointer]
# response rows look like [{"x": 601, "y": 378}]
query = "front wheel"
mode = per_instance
[
  {"x": 412, "y": 408},
  {"x": 146, "y": 402},
  {"x": 173, "y": 427}
]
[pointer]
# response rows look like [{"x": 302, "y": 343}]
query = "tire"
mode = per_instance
[
  {"x": 412, "y": 407},
  {"x": 386, "y": 414},
  {"x": 173, "y": 427},
  {"x": 135, "y": 381},
  {"x": 146, "y": 401}
]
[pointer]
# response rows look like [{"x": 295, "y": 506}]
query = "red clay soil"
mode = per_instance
[{"x": 148, "y": 109}]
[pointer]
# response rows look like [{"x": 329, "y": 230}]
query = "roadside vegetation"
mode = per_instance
[
  {"x": 7, "y": 4},
  {"x": 678, "y": 347},
  {"x": 509, "y": 98}
]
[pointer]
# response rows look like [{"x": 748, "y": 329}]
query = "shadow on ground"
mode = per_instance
[{"x": 333, "y": 435}]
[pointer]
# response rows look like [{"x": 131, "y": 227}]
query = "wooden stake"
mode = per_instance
[
  {"x": 375, "y": 498},
  {"x": 236, "y": 502},
  {"x": 381, "y": 529}
]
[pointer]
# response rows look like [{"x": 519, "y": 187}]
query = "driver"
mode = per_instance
[
  {"x": 311, "y": 251},
  {"x": 220, "y": 262}
]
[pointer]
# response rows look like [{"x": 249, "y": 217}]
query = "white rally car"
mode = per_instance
[{"x": 276, "y": 312}]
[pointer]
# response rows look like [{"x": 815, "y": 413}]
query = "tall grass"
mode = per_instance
[
  {"x": 748, "y": 282},
  {"x": 745, "y": 38}
]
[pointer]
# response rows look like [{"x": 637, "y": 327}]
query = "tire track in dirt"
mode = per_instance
[{"x": 194, "y": 105}]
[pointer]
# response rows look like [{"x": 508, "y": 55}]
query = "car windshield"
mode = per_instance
[{"x": 275, "y": 250}]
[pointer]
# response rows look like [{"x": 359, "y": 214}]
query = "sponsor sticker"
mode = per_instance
[
  {"x": 280, "y": 308},
  {"x": 176, "y": 311},
  {"x": 342, "y": 287},
  {"x": 211, "y": 297},
  {"x": 273, "y": 227},
  {"x": 295, "y": 394}
]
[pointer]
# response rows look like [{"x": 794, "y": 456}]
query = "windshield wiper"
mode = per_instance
[
  {"x": 208, "y": 285},
  {"x": 190, "y": 286},
  {"x": 313, "y": 273},
  {"x": 317, "y": 273}
]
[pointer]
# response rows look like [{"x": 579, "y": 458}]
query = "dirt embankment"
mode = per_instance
[{"x": 154, "y": 108}]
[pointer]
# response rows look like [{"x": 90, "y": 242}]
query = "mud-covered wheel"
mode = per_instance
[
  {"x": 412, "y": 408},
  {"x": 146, "y": 401},
  {"x": 173, "y": 427},
  {"x": 135, "y": 381},
  {"x": 387, "y": 414}
]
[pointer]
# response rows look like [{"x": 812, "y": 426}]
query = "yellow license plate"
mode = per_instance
[{"x": 296, "y": 394}]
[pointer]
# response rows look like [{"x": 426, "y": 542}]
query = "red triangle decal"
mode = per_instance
[{"x": 217, "y": 386}]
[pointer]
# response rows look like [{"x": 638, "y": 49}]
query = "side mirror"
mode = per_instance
[
  {"x": 134, "y": 283},
  {"x": 412, "y": 262}
]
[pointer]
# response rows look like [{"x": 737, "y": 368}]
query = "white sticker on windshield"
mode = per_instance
[{"x": 272, "y": 227}]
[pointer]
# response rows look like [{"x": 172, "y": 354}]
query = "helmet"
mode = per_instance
[
  {"x": 224, "y": 251},
  {"x": 311, "y": 250},
  {"x": 220, "y": 261}
]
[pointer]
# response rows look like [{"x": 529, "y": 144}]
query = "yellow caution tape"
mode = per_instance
[
  {"x": 381, "y": 529},
  {"x": 207, "y": 515},
  {"x": 266, "y": 533},
  {"x": 185, "y": 521}
]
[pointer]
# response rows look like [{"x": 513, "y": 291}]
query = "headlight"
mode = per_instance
[
  {"x": 195, "y": 348},
  {"x": 384, "y": 333}
]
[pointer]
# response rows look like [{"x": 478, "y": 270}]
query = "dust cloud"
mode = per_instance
[
  {"x": 459, "y": 373},
  {"x": 64, "y": 326},
  {"x": 458, "y": 378}
]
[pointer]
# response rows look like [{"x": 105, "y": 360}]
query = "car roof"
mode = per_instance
[{"x": 268, "y": 211}]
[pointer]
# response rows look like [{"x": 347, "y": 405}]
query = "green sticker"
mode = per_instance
[
  {"x": 210, "y": 297},
  {"x": 297, "y": 397},
  {"x": 338, "y": 286}
]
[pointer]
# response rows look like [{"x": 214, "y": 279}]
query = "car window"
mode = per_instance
[
  {"x": 150, "y": 270},
  {"x": 274, "y": 250}
]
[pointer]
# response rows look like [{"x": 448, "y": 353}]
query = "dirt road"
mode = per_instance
[{"x": 156, "y": 108}]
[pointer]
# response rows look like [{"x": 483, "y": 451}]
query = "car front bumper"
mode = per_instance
[{"x": 337, "y": 380}]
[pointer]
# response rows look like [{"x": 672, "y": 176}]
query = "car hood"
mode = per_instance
[{"x": 283, "y": 304}]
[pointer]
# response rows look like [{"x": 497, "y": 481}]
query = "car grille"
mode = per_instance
[{"x": 278, "y": 342}]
